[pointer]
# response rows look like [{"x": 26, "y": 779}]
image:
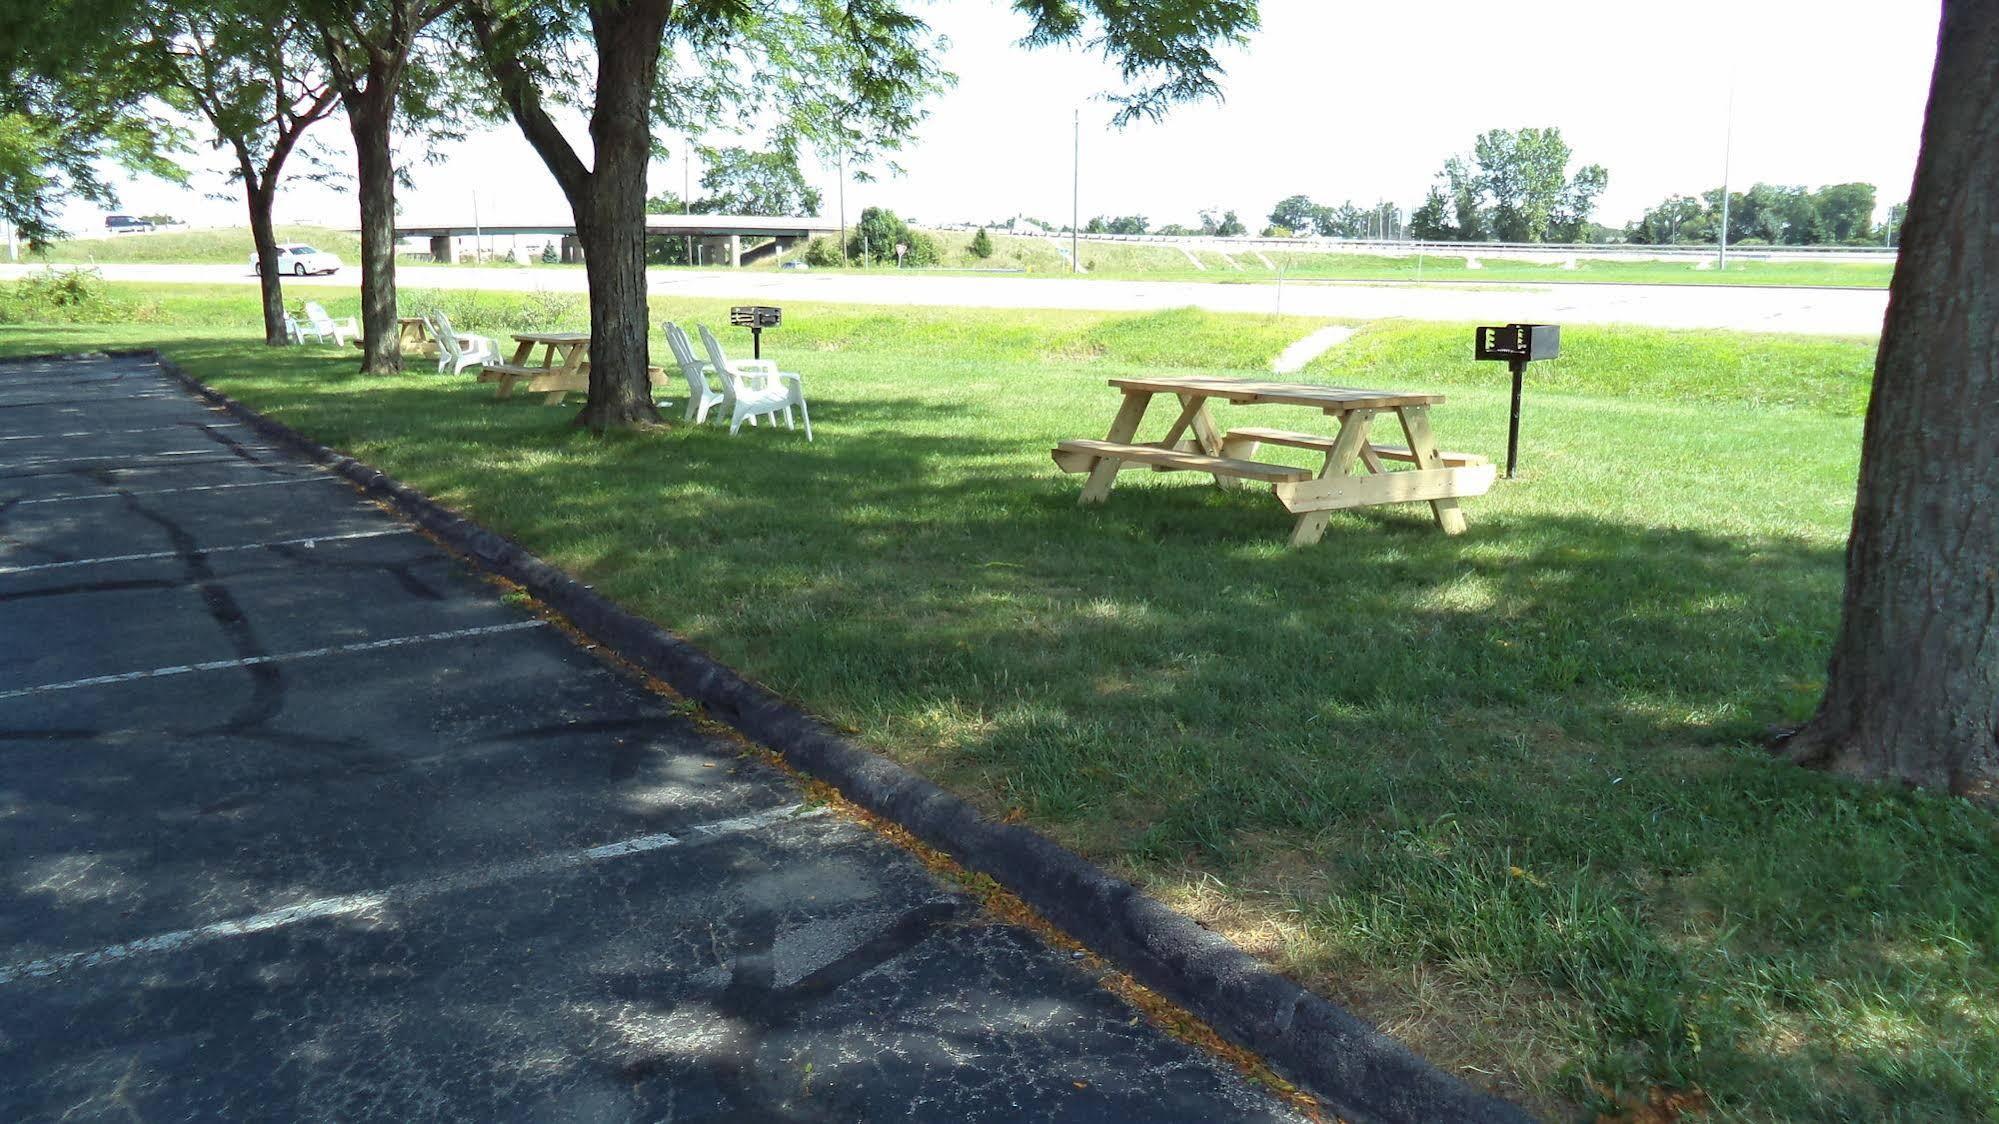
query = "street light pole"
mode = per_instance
[
  {"x": 1076, "y": 198},
  {"x": 1727, "y": 150}
]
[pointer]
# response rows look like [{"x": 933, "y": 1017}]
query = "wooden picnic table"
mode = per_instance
[
  {"x": 565, "y": 366},
  {"x": 413, "y": 337},
  {"x": 1194, "y": 443}
]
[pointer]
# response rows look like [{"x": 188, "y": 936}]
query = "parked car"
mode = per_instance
[
  {"x": 794, "y": 265},
  {"x": 125, "y": 224},
  {"x": 299, "y": 259}
]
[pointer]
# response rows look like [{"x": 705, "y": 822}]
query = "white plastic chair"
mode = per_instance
[
  {"x": 294, "y": 331},
  {"x": 322, "y": 326},
  {"x": 755, "y": 387},
  {"x": 459, "y": 350},
  {"x": 701, "y": 397}
]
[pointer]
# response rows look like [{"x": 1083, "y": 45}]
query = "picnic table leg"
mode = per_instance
[
  {"x": 1207, "y": 436},
  {"x": 1423, "y": 446},
  {"x": 521, "y": 353},
  {"x": 1311, "y": 526},
  {"x": 1104, "y": 474}
]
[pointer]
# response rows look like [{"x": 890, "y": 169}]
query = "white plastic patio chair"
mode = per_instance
[
  {"x": 701, "y": 397},
  {"x": 294, "y": 331},
  {"x": 756, "y": 387},
  {"x": 323, "y": 326},
  {"x": 459, "y": 350}
]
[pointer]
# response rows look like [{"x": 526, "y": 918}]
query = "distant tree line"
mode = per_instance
[
  {"x": 1771, "y": 214},
  {"x": 1514, "y": 187}
]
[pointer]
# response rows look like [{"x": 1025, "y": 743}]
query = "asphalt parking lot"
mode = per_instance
[{"x": 301, "y": 819}]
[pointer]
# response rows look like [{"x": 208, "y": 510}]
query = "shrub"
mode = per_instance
[
  {"x": 876, "y": 236},
  {"x": 823, "y": 253},
  {"x": 71, "y": 296},
  {"x": 982, "y": 244},
  {"x": 550, "y": 255},
  {"x": 924, "y": 250}
]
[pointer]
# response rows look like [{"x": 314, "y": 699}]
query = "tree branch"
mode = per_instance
[{"x": 523, "y": 101}]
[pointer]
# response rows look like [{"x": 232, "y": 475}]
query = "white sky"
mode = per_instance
[{"x": 1333, "y": 100}]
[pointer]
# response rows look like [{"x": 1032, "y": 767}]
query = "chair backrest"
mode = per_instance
[
  {"x": 447, "y": 340},
  {"x": 690, "y": 367},
  {"x": 316, "y": 314},
  {"x": 715, "y": 355}
]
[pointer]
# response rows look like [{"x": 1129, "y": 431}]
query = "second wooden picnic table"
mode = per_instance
[
  {"x": 1194, "y": 443},
  {"x": 565, "y": 366}
]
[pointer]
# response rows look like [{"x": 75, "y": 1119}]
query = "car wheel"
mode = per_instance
[
  {"x": 298, "y": 270},
  {"x": 257, "y": 268}
]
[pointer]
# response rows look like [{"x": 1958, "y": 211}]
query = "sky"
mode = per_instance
[{"x": 1333, "y": 100}]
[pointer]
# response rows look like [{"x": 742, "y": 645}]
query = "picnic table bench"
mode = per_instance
[
  {"x": 413, "y": 337},
  {"x": 564, "y": 368},
  {"x": 1193, "y": 443}
]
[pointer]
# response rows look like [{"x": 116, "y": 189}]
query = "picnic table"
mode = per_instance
[
  {"x": 413, "y": 337},
  {"x": 565, "y": 366},
  {"x": 1194, "y": 443}
]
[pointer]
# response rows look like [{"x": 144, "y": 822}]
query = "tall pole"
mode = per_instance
[
  {"x": 1727, "y": 150},
  {"x": 843, "y": 208},
  {"x": 687, "y": 197},
  {"x": 1076, "y": 199},
  {"x": 478, "y": 235}
]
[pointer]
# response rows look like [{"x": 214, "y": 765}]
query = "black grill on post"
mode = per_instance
[
  {"x": 1519, "y": 345},
  {"x": 756, "y": 317}
]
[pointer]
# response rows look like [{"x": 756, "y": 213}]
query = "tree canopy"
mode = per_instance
[{"x": 1515, "y": 187}]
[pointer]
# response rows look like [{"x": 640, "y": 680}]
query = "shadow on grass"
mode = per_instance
[{"x": 1511, "y": 758}]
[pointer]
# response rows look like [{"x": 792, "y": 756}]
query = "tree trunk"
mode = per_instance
[
  {"x": 268, "y": 281},
  {"x": 610, "y": 218},
  {"x": 369, "y": 114},
  {"x": 1912, "y": 693}
]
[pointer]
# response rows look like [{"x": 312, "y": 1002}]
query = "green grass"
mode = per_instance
[
  {"x": 224, "y": 246},
  {"x": 1104, "y": 260},
  {"x": 1497, "y": 792}
]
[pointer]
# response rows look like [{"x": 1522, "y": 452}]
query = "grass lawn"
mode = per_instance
[
  {"x": 1132, "y": 261},
  {"x": 1497, "y": 792}
]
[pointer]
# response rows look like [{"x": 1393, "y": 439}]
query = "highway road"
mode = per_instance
[{"x": 1799, "y": 311}]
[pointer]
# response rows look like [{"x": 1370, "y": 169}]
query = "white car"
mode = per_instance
[{"x": 299, "y": 259}]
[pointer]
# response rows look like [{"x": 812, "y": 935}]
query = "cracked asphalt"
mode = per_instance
[{"x": 299, "y": 819}]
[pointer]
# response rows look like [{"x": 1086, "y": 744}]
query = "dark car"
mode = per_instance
[{"x": 125, "y": 224}]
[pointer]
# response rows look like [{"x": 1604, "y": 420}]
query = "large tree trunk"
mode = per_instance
[
  {"x": 1912, "y": 693},
  {"x": 610, "y": 218},
  {"x": 369, "y": 116},
  {"x": 268, "y": 281}
]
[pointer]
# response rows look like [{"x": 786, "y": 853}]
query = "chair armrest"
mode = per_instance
[{"x": 754, "y": 366}]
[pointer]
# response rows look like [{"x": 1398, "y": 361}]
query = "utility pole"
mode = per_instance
[
  {"x": 687, "y": 197},
  {"x": 844, "y": 259},
  {"x": 478, "y": 235},
  {"x": 1727, "y": 150},
  {"x": 1076, "y": 199}
]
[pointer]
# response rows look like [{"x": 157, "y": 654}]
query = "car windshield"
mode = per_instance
[{"x": 303, "y": 250}]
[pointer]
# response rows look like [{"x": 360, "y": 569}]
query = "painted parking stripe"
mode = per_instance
[
  {"x": 308, "y": 542},
  {"x": 168, "y": 457},
  {"x": 184, "y": 426},
  {"x": 350, "y": 904},
  {"x": 281, "y": 657},
  {"x": 171, "y": 491}
]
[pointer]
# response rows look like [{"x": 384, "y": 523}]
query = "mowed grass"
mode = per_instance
[
  {"x": 1497, "y": 792},
  {"x": 1102, "y": 260},
  {"x": 228, "y": 245}
]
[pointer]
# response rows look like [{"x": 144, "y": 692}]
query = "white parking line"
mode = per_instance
[
  {"x": 167, "y": 455},
  {"x": 253, "y": 661},
  {"x": 183, "y": 427},
  {"x": 348, "y": 904},
  {"x": 308, "y": 541},
  {"x": 171, "y": 491}
]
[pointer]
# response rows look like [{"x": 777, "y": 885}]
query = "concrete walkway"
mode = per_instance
[
  {"x": 1740, "y": 308},
  {"x": 301, "y": 820}
]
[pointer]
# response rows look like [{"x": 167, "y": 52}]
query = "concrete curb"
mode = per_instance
[{"x": 1356, "y": 1071}]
